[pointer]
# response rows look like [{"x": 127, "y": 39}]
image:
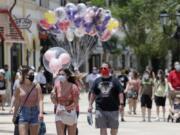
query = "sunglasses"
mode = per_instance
[{"x": 103, "y": 68}]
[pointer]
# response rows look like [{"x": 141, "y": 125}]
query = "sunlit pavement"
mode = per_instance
[{"x": 132, "y": 126}]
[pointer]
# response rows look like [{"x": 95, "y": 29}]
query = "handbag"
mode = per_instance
[
  {"x": 67, "y": 117},
  {"x": 42, "y": 128},
  {"x": 16, "y": 121}
]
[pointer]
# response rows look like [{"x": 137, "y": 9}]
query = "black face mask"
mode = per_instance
[{"x": 30, "y": 77}]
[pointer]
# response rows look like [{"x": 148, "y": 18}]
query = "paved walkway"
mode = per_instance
[{"x": 133, "y": 126}]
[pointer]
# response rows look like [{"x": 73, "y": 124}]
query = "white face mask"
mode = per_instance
[
  {"x": 61, "y": 78},
  {"x": 177, "y": 67},
  {"x": 146, "y": 76}
]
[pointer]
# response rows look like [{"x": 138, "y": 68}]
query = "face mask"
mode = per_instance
[
  {"x": 159, "y": 75},
  {"x": 105, "y": 71},
  {"x": 146, "y": 76},
  {"x": 61, "y": 78},
  {"x": 94, "y": 72},
  {"x": 177, "y": 67},
  {"x": 30, "y": 77},
  {"x": 42, "y": 71}
]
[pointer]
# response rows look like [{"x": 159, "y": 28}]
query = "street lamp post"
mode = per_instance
[{"x": 164, "y": 20}]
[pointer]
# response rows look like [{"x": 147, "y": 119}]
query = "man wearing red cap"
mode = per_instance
[{"x": 107, "y": 93}]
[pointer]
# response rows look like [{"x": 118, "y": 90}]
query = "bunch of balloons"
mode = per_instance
[
  {"x": 55, "y": 59},
  {"x": 78, "y": 20}
]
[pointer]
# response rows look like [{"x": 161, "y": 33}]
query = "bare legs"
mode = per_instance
[
  {"x": 132, "y": 105},
  {"x": 2, "y": 102},
  {"x": 158, "y": 112},
  {"x": 25, "y": 128},
  {"x": 60, "y": 128},
  {"x": 103, "y": 131},
  {"x": 143, "y": 109}
]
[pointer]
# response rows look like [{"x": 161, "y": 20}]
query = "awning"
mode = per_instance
[{"x": 8, "y": 28}]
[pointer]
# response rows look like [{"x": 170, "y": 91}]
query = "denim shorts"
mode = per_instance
[{"x": 29, "y": 115}]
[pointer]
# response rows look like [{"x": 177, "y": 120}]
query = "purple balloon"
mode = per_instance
[
  {"x": 100, "y": 28},
  {"x": 71, "y": 13},
  {"x": 88, "y": 27},
  {"x": 55, "y": 29},
  {"x": 78, "y": 21}
]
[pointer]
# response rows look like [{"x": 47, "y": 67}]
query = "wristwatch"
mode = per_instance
[{"x": 121, "y": 103}]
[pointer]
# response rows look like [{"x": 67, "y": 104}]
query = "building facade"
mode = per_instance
[{"x": 17, "y": 51}]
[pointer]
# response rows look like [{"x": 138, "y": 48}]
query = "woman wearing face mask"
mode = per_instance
[
  {"x": 132, "y": 91},
  {"x": 28, "y": 97},
  {"x": 160, "y": 93},
  {"x": 146, "y": 93},
  {"x": 65, "y": 96}
]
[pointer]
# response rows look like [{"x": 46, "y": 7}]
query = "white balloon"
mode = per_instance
[
  {"x": 79, "y": 32},
  {"x": 60, "y": 13},
  {"x": 70, "y": 5},
  {"x": 70, "y": 35},
  {"x": 81, "y": 9},
  {"x": 60, "y": 36}
]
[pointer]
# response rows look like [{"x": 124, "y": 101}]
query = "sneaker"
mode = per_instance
[
  {"x": 134, "y": 113},
  {"x": 122, "y": 119},
  {"x": 157, "y": 120},
  {"x": 168, "y": 119},
  {"x": 143, "y": 120}
]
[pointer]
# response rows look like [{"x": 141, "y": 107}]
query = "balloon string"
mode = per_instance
[{"x": 79, "y": 49}]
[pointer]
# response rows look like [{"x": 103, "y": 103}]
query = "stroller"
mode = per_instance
[{"x": 174, "y": 115}]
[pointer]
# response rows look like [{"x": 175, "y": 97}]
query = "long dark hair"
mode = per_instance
[
  {"x": 135, "y": 74},
  {"x": 24, "y": 71},
  {"x": 70, "y": 77},
  {"x": 162, "y": 78}
]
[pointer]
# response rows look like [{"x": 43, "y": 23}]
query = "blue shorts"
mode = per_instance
[{"x": 29, "y": 115}]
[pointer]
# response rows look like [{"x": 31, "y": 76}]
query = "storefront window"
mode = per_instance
[
  {"x": 44, "y": 3},
  {"x": 16, "y": 57}
]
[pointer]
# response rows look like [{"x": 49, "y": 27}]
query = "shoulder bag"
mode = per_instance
[{"x": 16, "y": 121}]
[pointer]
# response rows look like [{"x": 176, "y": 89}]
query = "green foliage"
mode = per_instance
[
  {"x": 140, "y": 20},
  {"x": 141, "y": 25},
  {"x": 98, "y": 2}
]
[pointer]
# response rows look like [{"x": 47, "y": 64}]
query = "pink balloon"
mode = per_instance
[
  {"x": 55, "y": 65},
  {"x": 106, "y": 35},
  {"x": 49, "y": 55},
  {"x": 64, "y": 59},
  {"x": 93, "y": 32}
]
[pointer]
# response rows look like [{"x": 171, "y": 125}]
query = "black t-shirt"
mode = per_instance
[
  {"x": 123, "y": 79},
  {"x": 2, "y": 84},
  {"x": 107, "y": 93}
]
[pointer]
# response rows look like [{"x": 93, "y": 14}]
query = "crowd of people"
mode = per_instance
[{"x": 109, "y": 90}]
